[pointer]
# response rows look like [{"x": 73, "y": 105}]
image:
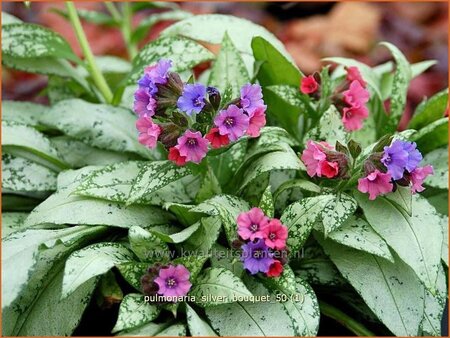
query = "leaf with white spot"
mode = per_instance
[
  {"x": 202, "y": 240},
  {"x": 336, "y": 211},
  {"x": 134, "y": 312},
  {"x": 266, "y": 202},
  {"x": 438, "y": 158},
  {"x": 329, "y": 128},
  {"x": 132, "y": 272},
  {"x": 13, "y": 222},
  {"x": 197, "y": 326},
  {"x": 23, "y": 112},
  {"x": 176, "y": 237},
  {"x": 144, "y": 244}
]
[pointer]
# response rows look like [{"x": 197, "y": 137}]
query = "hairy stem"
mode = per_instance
[
  {"x": 92, "y": 67},
  {"x": 345, "y": 320}
]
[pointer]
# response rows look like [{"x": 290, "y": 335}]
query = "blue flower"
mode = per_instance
[
  {"x": 401, "y": 156},
  {"x": 192, "y": 100},
  {"x": 256, "y": 257}
]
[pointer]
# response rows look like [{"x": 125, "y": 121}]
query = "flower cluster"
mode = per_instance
[
  {"x": 189, "y": 119},
  {"x": 350, "y": 97},
  {"x": 263, "y": 243},
  {"x": 321, "y": 159},
  {"x": 166, "y": 280},
  {"x": 398, "y": 164}
]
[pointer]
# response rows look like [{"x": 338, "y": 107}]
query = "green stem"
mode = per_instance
[
  {"x": 348, "y": 322},
  {"x": 127, "y": 30},
  {"x": 113, "y": 11},
  {"x": 93, "y": 69}
]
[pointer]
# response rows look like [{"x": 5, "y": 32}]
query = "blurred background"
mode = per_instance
[{"x": 310, "y": 31}]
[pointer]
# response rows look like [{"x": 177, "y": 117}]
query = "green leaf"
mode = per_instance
[
  {"x": 134, "y": 312},
  {"x": 144, "y": 244},
  {"x": 26, "y": 40},
  {"x": 212, "y": 27},
  {"x": 184, "y": 53},
  {"x": 296, "y": 183},
  {"x": 266, "y": 203},
  {"x": 132, "y": 272},
  {"x": 438, "y": 158},
  {"x": 228, "y": 208},
  {"x": 402, "y": 77},
  {"x": 228, "y": 68},
  {"x": 336, "y": 211},
  {"x": 90, "y": 16},
  {"x": 215, "y": 282},
  {"x": 300, "y": 218},
  {"x": 358, "y": 234},
  {"x": 94, "y": 260},
  {"x": 429, "y": 110},
  {"x": 197, "y": 326},
  {"x": 99, "y": 125},
  {"x": 177, "y": 237},
  {"x": 65, "y": 208},
  {"x": 183, "y": 213},
  {"x": 202, "y": 240},
  {"x": 8, "y": 19},
  {"x": 301, "y": 305},
  {"x": 154, "y": 176},
  {"x": 23, "y": 112},
  {"x": 432, "y": 136},
  {"x": 24, "y": 141},
  {"x": 222, "y": 257},
  {"x": 275, "y": 69},
  {"x": 20, "y": 175},
  {"x": 402, "y": 197},
  {"x": 420, "y": 67},
  {"x": 148, "y": 330},
  {"x": 417, "y": 246},
  {"x": 387, "y": 289},
  {"x": 13, "y": 222},
  {"x": 444, "y": 251},
  {"x": 147, "y": 23},
  {"x": 329, "y": 128},
  {"x": 434, "y": 307}
]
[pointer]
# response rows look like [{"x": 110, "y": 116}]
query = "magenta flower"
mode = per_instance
[
  {"x": 257, "y": 121},
  {"x": 275, "y": 234},
  {"x": 418, "y": 175},
  {"x": 192, "y": 146},
  {"x": 376, "y": 183},
  {"x": 251, "y": 224},
  {"x": 309, "y": 85},
  {"x": 192, "y": 100},
  {"x": 251, "y": 97},
  {"x": 401, "y": 156},
  {"x": 256, "y": 257},
  {"x": 148, "y": 131},
  {"x": 356, "y": 95},
  {"x": 353, "y": 74},
  {"x": 316, "y": 162},
  {"x": 173, "y": 281},
  {"x": 144, "y": 103},
  {"x": 353, "y": 117},
  {"x": 232, "y": 122}
]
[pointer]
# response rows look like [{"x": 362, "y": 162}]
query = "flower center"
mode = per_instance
[
  {"x": 388, "y": 160},
  {"x": 192, "y": 142},
  {"x": 198, "y": 102},
  {"x": 229, "y": 122},
  {"x": 171, "y": 282},
  {"x": 258, "y": 254},
  {"x": 254, "y": 227},
  {"x": 272, "y": 236}
]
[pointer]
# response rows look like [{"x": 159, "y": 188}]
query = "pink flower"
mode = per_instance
[
  {"x": 148, "y": 131},
  {"x": 174, "y": 156},
  {"x": 356, "y": 95},
  {"x": 309, "y": 85},
  {"x": 232, "y": 122},
  {"x": 251, "y": 223},
  {"x": 275, "y": 234},
  {"x": 144, "y": 103},
  {"x": 275, "y": 269},
  {"x": 316, "y": 162},
  {"x": 353, "y": 117},
  {"x": 192, "y": 146},
  {"x": 217, "y": 140},
  {"x": 257, "y": 121},
  {"x": 418, "y": 175},
  {"x": 353, "y": 74},
  {"x": 376, "y": 183},
  {"x": 173, "y": 281}
]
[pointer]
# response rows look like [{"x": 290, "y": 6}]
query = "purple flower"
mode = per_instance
[
  {"x": 144, "y": 103},
  {"x": 173, "y": 281},
  {"x": 192, "y": 100},
  {"x": 251, "y": 98},
  {"x": 192, "y": 146},
  {"x": 401, "y": 156},
  {"x": 155, "y": 74},
  {"x": 232, "y": 122},
  {"x": 256, "y": 257}
]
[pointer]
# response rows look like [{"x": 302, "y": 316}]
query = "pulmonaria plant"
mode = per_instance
[
  {"x": 189, "y": 119},
  {"x": 350, "y": 97},
  {"x": 263, "y": 243}
]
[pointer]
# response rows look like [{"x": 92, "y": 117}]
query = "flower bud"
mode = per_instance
[
  {"x": 169, "y": 134},
  {"x": 168, "y": 94},
  {"x": 214, "y": 97}
]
